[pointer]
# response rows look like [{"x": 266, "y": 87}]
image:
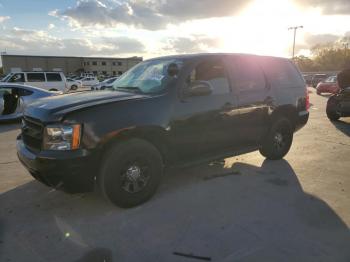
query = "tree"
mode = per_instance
[{"x": 326, "y": 57}]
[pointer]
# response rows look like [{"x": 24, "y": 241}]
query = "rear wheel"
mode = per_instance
[
  {"x": 131, "y": 173},
  {"x": 333, "y": 109},
  {"x": 278, "y": 141},
  {"x": 53, "y": 89}
]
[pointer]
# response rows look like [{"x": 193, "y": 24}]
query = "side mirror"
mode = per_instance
[{"x": 199, "y": 88}]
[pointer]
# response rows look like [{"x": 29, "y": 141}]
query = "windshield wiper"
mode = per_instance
[{"x": 133, "y": 89}]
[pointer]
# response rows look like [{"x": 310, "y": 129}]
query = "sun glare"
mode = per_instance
[{"x": 263, "y": 28}]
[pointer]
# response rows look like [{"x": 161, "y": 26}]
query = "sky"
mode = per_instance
[{"x": 151, "y": 28}]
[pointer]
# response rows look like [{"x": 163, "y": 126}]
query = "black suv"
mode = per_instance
[
  {"x": 338, "y": 105},
  {"x": 163, "y": 112}
]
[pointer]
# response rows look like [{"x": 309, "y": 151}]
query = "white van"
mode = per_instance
[{"x": 52, "y": 81}]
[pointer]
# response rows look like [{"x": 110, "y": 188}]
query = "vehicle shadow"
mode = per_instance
[
  {"x": 224, "y": 211},
  {"x": 343, "y": 126},
  {"x": 9, "y": 126}
]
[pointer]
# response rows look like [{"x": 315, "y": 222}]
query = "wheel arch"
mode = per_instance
[
  {"x": 288, "y": 111},
  {"x": 154, "y": 135}
]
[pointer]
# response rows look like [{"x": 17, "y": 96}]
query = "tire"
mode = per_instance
[
  {"x": 278, "y": 140},
  {"x": 73, "y": 87},
  {"x": 53, "y": 89},
  {"x": 130, "y": 173},
  {"x": 332, "y": 109}
]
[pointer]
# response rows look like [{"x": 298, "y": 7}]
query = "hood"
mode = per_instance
[{"x": 52, "y": 108}]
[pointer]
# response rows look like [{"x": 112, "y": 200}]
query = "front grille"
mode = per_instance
[{"x": 32, "y": 133}]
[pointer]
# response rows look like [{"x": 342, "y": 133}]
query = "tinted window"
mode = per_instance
[
  {"x": 53, "y": 77},
  {"x": 214, "y": 73},
  {"x": 24, "y": 92},
  {"x": 17, "y": 78},
  {"x": 35, "y": 77},
  {"x": 282, "y": 73},
  {"x": 248, "y": 74}
]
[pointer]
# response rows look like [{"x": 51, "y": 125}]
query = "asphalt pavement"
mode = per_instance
[{"x": 243, "y": 208}]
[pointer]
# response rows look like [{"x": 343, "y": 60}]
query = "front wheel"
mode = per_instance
[
  {"x": 333, "y": 109},
  {"x": 278, "y": 140},
  {"x": 131, "y": 173},
  {"x": 73, "y": 87}
]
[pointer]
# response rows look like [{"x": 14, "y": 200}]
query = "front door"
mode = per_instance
[{"x": 205, "y": 124}]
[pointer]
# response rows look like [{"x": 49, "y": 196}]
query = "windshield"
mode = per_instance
[
  {"x": 7, "y": 77},
  {"x": 110, "y": 81},
  {"x": 331, "y": 79},
  {"x": 147, "y": 77}
]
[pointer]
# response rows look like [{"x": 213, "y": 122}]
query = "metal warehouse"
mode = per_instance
[{"x": 68, "y": 64}]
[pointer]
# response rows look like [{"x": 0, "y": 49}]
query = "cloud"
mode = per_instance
[
  {"x": 148, "y": 14},
  {"x": 22, "y": 41},
  {"x": 51, "y": 26},
  {"x": 311, "y": 39},
  {"x": 193, "y": 44},
  {"x": 4, "y": 18},
  {"x": 328, "y": 7}
]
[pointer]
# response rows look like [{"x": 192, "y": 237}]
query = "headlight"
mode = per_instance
[{"x": 62, "y": 137}]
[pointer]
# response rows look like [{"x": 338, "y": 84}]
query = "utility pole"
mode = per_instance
[
  {"x": 295, "y": 28},
  {"x": 346, "y": 60}
]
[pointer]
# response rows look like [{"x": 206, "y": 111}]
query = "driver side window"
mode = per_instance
[
  {"x": 17, "y": 78},
  {"x": 212, "y": 72}
]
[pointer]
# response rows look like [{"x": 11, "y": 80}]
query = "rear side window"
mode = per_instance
[
  {"x": 53, "y": 77},
  {"x": 36, "y": 77},
  {"x": 248, "y": 75},
  {"x": 282, "y": 73}
]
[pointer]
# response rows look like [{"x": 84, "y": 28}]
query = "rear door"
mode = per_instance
[
  {"x": 254, "y": 98},
  {"x": 54, "y": 81},
  {"x": 37, "y": 80}
]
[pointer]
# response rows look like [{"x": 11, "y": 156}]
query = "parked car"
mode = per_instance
[
  {"x": 14, "y": 98},
  {"x": 338, "y": 105},
  {"x": 87, "y": 81},
  {"x": 73, "y": 84},
  {"x": 106, "y": 84},
  {"x": 163, "y": 112},
  {"x": 317, "y": 79},
  {"x": 308, "y": 79},
  {"x": 328, "y": 86},
  {"x": 52, "y": 81}
]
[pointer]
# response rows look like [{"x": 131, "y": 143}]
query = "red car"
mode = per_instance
[{"x": 328, "y": 86}]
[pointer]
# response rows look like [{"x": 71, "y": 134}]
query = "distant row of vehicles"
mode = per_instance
[
  {"x": 22, "y": 88},
  {"x": 338, "y": 105},
  {"x": 323, "y": 83},
  {"x": 56, "y": 81}
]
